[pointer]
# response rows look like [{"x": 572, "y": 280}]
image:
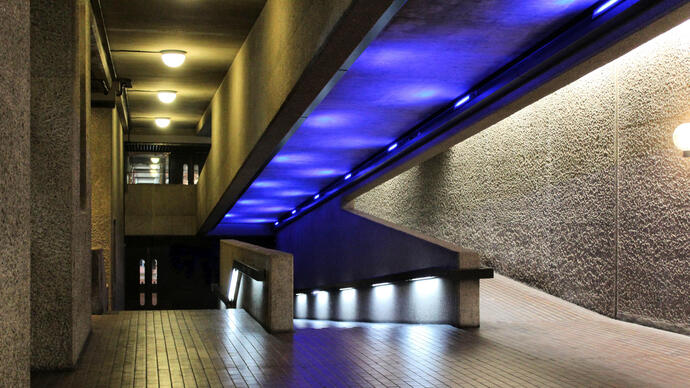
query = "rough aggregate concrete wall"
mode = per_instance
[
  {"x": 581, "y": 194},
  {"x": 60, "y": 209},
  {"x": 654, "y": 183},
  {"x": 15, "y": 238},
  {"x": 100, "y": 143}
]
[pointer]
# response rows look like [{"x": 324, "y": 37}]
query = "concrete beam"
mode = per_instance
[
  {"x": 295, "y": 52},
  {"x": 169, "y": 139}
]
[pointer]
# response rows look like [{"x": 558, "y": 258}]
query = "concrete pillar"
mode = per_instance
[
  {"x": 117, "y": 266},
  {"x": 468, "y": 291},
  {"x": 107, "y": 198},
  {"x": 14, "y": 194},
  {"x": 60, "y": 205},
  {"x": 100, "y": 143}
]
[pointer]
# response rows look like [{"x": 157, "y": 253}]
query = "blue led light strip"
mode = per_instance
[
  {"x": 605, "y": 7},
  {"x": 594, "y": 22}
]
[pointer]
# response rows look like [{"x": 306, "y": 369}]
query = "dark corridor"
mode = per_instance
[{"x": 170, "y": 273}]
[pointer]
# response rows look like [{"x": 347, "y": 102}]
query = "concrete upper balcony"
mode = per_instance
[{"x": 160, "y": 210}]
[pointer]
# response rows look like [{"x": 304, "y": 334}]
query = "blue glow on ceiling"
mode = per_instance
[{"x": 427, "y": 58}]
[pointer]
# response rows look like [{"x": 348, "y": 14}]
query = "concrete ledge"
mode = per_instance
[{"x": 270, "y": 301}]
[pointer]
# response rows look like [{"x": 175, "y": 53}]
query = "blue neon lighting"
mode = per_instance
[
  {"x": 604, "y": 7},
  {"x": 378, "y": 111},
  {"x": 462, "y": 101}
]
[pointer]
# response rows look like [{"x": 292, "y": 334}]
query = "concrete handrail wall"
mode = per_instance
[{"x": 270, "y": 302}]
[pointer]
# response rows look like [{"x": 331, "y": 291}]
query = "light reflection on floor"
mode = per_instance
[{"x": 527, "y": 338}]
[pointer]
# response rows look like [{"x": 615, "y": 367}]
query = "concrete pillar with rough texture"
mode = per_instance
[
  {"x": 101, "y": 168},
  {"x": 60, "y": 206},
  {"x": 14, "y": 195},
  {"x": 468, "y": 291}
]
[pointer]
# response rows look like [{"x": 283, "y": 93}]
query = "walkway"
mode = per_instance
[{"x": 527, "y": 338}]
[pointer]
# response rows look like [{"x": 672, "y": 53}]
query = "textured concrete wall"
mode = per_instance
[
  {"x": 160, "y": 210},
  {"x": 581, "y": 194},
  {"x": 101, "y": 169},
  {"x": 15, "y": 239},
  {"x": 60, "y": 206},
  {"x": 288, "y": 58}
]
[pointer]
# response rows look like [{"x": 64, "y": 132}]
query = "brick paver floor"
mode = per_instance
[{"x": 527, "y": 339}]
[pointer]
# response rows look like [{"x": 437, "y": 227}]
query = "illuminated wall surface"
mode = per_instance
[
  {"x": 425, "y": 58},
  {"x": 581, "y": 194},
  {"x": 422, "y": 301}
]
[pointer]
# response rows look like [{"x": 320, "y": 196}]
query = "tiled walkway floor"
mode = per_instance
[{"x": 527, "y": 338}]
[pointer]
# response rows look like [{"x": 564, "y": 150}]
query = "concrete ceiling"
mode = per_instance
[
  {"x": 431, "y": 53},
  {"x": 210, "y": 31}
]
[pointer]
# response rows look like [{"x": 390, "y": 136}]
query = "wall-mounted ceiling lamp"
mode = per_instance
[
  {"x": 681, "y": 138},
  {"x": 173, "y": 58},
  {"x": 162, "y": 122},
  {"x": 167, "y": 96},
  {"x": 155, "y": 160}
]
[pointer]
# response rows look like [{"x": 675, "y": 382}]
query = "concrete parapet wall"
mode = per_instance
[
  {"x": 269, "y": 301},
  {"x": 160, "y": 210}
]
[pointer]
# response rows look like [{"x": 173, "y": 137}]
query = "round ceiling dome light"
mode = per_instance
[
  {"x": 173, "y": 58},
  {"x": 162, "y": 122},
  {"x": 167, "y": 96},
  {"x": 681, "y": 138}
]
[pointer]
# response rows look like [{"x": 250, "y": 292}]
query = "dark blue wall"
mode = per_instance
[{"x": 331, "y": 245}]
